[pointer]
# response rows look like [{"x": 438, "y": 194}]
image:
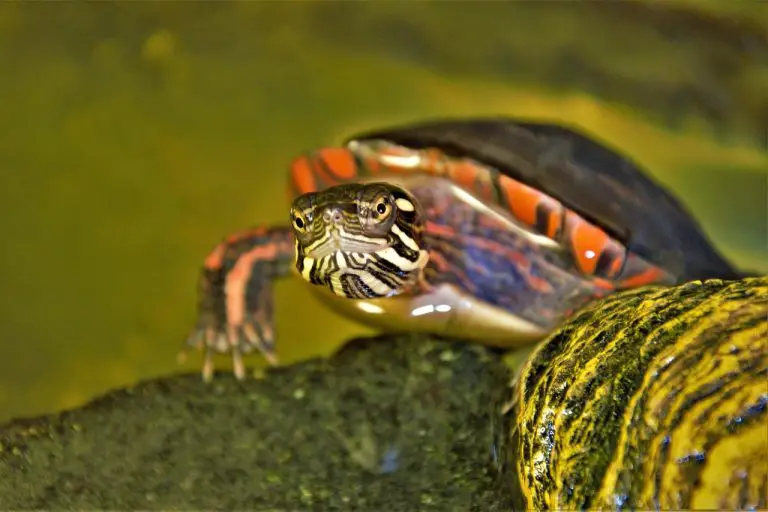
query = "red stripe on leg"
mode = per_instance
[{"x": 237, "y": 280}]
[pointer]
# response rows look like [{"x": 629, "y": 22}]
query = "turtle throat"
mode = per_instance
[{"x": 364, "y": 275}]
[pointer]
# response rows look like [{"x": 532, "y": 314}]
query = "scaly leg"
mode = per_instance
[{"x": 235, "y": 296}]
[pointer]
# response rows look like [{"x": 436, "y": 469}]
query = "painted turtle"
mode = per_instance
[{"x": 485, "y": 229}]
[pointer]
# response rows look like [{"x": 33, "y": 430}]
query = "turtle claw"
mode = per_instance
[
  {"x": 238, "y": 367},
  {"x": 259, "y": 334},
  {"x": 238, "y": 340},
  {"x": 207, "y": 371}
]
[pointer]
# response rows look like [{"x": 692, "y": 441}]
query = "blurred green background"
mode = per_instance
[{"x": 135, "y": 135}]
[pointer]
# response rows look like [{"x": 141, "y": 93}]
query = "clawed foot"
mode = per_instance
[
  {"x": 237, "y": 340},
  {"x": 235, "y": 308}
]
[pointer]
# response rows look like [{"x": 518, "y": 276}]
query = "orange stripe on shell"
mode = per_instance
[
  {"x": 339, "y": 161},
  {"x": 433, "y": 161},
  {"x": 303, "y": 178},
  {"x": 521, "y": 200},
  {"x": 555, "y": 221},
  {"x": 327, "y": 167},
  {"x": 464, "y": 173},
  {"x": 587, "y": 243},
  {"x": 650, "y": 275}
]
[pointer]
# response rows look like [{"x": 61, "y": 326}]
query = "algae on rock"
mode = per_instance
[
  {"x": 390, "y": 423},
  {"x": 652, "y": 398}
]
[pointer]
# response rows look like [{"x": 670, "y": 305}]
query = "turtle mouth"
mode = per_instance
[
  {"x": 362, "y": 274},
  {"x": 346, "y": 243}
]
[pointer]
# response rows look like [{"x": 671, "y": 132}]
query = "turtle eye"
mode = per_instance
[
  {"x": 382, "y": 208},
  {"x": 299, "y": 223}
]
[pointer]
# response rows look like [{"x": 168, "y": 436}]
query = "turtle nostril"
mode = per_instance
[{"x": 332, "y": 215}]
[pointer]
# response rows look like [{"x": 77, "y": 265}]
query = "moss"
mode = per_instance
[
  {"x": 653, "y": 398},
  {"x": 386, "y": 424}
]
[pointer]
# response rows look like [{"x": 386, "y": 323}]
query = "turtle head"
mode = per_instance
[{"x": 360, "y": 240}]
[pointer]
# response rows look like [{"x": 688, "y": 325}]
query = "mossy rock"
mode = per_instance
[
  {"x": 390, "y": 423},
  {"x": 654, "y": 398}
]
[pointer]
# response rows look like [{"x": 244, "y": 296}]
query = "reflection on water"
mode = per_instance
[{"x": 135, "y": 135}]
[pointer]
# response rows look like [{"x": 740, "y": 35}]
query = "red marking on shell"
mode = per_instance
[
  {"x": 303, "y": 176},
  {"x": 521, "y": 199},
  {"x": 464, "y": 173},
  {"x": 433, "y": 161},
  {"x": 318, "y": 168},
  {"x": 370, "y": 166},
  {"x": 340, "y": 162},
  {"x": 587, "y": 242},
  {"x": 616, "y": 266},
  {"x": 485, "y": 184},
  {"x": 554, "y": 221},
  {"x": 603, "y": 284},
  {"x": 651, "y": 275}
]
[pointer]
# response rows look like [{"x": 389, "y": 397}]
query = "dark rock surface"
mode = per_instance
[
  {"x": 412, "y": 423},
  {"x": 389, "y": 423}
]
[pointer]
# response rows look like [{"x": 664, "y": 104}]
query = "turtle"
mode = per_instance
[{"x": 492, "y": 230}]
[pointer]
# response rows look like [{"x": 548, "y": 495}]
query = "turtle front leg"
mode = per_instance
[{"x": 235, "y": 296}]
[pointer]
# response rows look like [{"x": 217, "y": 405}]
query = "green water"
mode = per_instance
[{"x": 135, "y": 135}]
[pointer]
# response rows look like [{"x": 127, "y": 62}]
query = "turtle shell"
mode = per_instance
[{"x": 596, "y": 182}]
